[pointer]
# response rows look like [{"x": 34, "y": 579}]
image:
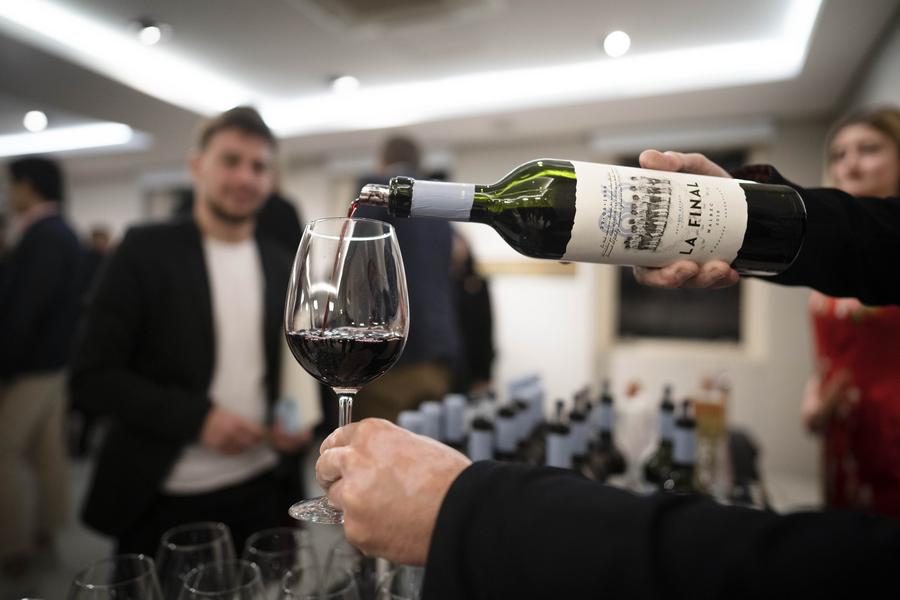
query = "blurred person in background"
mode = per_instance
[
  {"x": 181, "y": 350},
  {"x": 425, "y": 370},
  {"x": 853, "y": 402},
  {"x": 473, "y": 374},
  {"x": 40, "y": 296}
]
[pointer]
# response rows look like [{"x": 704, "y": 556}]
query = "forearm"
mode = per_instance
[
  {"x": 851, "y": 244},
  {"x": 512, "y": 531}
]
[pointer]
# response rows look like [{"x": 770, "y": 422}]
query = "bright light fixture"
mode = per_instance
[
  {"x": 63, "y": 139},
  {"x": 116, "y": 53},
  {"x": 344, "y": 84},
  {"x": 173, "y": 78},
  {"x": 617, "y": 44},
  {"x": 35, "y": 121},
  {"x": 150, "y": 35}
]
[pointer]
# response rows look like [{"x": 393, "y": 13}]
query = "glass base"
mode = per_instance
[{"x": 317, "y": 510}]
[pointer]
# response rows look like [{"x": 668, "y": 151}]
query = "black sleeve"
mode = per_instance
[
  {"x": 103, "y": 377},
  {"x": 513, "y": 531},
  {"x": 41, "y": 264},
  {"x": 852, "y": 244}
]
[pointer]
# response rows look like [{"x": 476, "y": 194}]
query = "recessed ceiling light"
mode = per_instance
[
  {"x": 344, "y": 84},
  {"x": 616, "y": 44},
  {"x": 150, "y": 35},
  {"x": 35, "y": 121}
]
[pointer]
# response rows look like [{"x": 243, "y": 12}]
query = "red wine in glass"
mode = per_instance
[{"x": 346, "y": 315}]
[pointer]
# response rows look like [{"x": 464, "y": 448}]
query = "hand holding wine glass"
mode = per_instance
[
  {"x": 346, "y": 315},
  {"x": 390, "y": 484}
]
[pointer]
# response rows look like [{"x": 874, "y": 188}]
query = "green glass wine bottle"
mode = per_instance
[{"x": 587, "y": 212}]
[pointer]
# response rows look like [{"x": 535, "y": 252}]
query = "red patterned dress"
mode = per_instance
[{"x": 862, "y": 438}]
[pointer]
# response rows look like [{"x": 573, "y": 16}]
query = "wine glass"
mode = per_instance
[
  {"x": 278, "y": 550},
  {"x": 229, "y": 580},
  {"x": 125, "y": 577},
  {"x": 342, "y": 556},
  {"x": 301, "y": 584},
  {"x": 188, "y": 546},
  {"x": 401, "y": 583},
  {"x": 346, "y": 316}
]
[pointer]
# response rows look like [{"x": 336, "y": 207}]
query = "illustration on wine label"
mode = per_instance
[{"x": 652, "y": 218}]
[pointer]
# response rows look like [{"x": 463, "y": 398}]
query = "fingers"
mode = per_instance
[
  {"x": 668, "y": 277},
  {"x": 339, "y": 437},
  {"x": 679, "y": 161},
  {"x": 654, "y": 159},
  {"x": 331, "y": 464},
  {"x": 686, "y": 274}
]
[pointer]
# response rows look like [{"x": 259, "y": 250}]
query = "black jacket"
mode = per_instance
[
  {"x": 145, "y": 358},
  {"x": 41, "y": 283},
  {"x": 510, "y": 531}
]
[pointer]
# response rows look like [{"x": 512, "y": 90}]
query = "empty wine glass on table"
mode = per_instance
[
  {"x": 229, "y": 580},
  {"x": 302, "y": 585},
  {"x": 346, "y": 316},
  {"x": 342, "y": 556},
  {"x": 277, "y": 551},
  {"x": 123, "y": 577},
  {"x": 401, "y": 583},
  {"x": 188, "y": 546}
]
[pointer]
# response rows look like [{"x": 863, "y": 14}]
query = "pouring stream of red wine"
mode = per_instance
[{"x": 337, "y": 259}]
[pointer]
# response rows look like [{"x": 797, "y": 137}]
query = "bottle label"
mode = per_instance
[
  {"x": 666, "y": 425},
  {"x": 506, "y": 434},
  {"x": 605, "y": 417},
  {"x": 580, "y": 438},
  {"x": 559, "y": 451},
  {"x": 684, "y": 451},
  {"x": 651, "y": 218},
  {"x": 442, "y": 200},
  {"x": 481, "y": 445}
]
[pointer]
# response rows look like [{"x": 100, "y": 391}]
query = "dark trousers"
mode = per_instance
[{"x": 246, "y": 508}]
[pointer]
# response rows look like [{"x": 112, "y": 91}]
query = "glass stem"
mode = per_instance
[{"x": 345, "y": 408}]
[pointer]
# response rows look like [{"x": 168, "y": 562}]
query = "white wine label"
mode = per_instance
[
  {"x": 666, "y": 425},
  {"x": 685, "y": 446},
  {"x": 442, "y": 200},
  {"x": 648, "y": 218},
  {"x": 506, "y": 435},
  {"x": 559, "y": 451},
  {"x": 481, "y": 445}
]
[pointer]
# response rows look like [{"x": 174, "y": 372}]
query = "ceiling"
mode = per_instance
[{"x": 281, "y": 55}]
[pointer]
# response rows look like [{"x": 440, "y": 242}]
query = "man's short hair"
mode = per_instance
[
  {"x": 400, "y": 149},
  {"x": 243, "y": 118},
  {"x": 44, "y": 175}
]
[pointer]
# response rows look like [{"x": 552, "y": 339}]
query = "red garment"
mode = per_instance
[{"x": 862, "y": 438}]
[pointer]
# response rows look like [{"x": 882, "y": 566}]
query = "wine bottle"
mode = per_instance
[
  {"x": 455, "y": 421},
  {"x": 433, "y": 414},
  {"x": 411, "y": 420},
  {"x": 680, "y": 479},
  {"x": 559, "y": 441},
  {"x": 578, "y": 423},
  {"x": 506, "y": 442},
  {"x": 605, "y": 460},
  {"x": 481, "y": 439},
  {"x": 587, "y": 212},
  {"x": 656, "y": 467}
]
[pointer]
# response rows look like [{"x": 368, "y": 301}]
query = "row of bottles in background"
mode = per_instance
[{"x": 582, "y": 439}]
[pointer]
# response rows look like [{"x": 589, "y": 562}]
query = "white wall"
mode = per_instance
[
  {"x": 113, "y": 203},
  {"x": 880, "y": 83}
]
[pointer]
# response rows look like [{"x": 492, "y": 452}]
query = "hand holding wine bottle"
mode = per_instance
[{"x": 685, "y": 273}]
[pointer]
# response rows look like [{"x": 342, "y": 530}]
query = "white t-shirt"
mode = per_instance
[{"x": 237, "y": 287}]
